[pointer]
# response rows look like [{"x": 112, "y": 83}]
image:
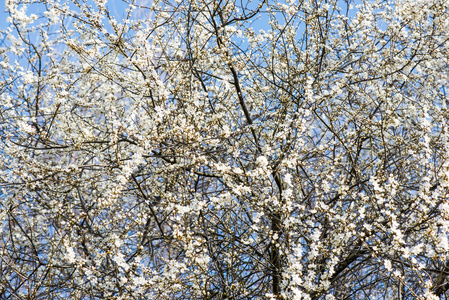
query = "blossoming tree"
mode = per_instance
[{"x": 224, "y": 150}]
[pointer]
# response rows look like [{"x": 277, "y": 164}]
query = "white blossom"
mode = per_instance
[
  {"x": 262, "y": 161},
  {"x": 222, "y": 149}
]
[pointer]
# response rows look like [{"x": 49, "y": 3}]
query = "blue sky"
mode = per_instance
[
  {"x": 116, "y": 7},
  {"x": 3, "y": 14}
]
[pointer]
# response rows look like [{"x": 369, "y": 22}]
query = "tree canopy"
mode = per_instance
[{"x": 224, "y": 149}]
